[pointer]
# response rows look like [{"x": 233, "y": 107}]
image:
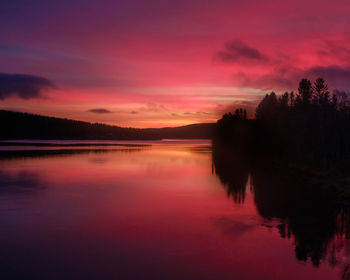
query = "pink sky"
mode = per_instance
[{"x": 162, "y": 63}]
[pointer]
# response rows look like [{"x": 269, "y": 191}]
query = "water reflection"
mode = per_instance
[
  {"x": 161, "y": 213},
  {"x": 306, "y": 210},
  {"x": 39, "y": 153},
  {"x": 233, "y": 174},
  {"x": 20, "y": 182}
]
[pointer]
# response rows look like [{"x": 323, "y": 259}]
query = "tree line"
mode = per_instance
[
  {"x": 15, "y": 125},
  {"x": 294, "y": 156},
  {"x": 311, "y": 125}
]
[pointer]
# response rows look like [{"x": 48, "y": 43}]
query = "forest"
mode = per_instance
[
  {"x": 16, "y": 125},
  {"x": 311, "y": 126},
  {"x": 294, "y": 156}
]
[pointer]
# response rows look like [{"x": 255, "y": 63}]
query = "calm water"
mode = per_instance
[{"x": 159, "y": 212}]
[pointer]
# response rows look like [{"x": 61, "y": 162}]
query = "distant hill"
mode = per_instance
[{"x": 14, "y": 125}]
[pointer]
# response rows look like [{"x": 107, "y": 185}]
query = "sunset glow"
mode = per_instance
[{"x": 163, "y": 63}]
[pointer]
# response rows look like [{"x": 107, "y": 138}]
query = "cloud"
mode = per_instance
[
  {"x": 281, "y": 72},
  {"x": 198, "y": 113},
  {"x": 274, "y": 80},
  {"x": 284, "y": 78},
  {"x": 238, "y": 51},
  {"x": 23, "y": 86},
  {"x": 153, "y": 107},
  {"x": 20, "y": 182},
  {"x": 334, "y": 51},
  {"x": 233, "y": 226},
  {"x": 336, "y": 76},
  {"x": 249, "y": 105},
  {"x": 100, "y": 111}
]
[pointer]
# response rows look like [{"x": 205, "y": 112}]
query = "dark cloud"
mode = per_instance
[
  {"x": 23, "y": 86},
  {"x": 238, "y": 51},
  {"x": 288, "y": 78},
  {"x": 249, "y": 105},
  {"x": 100, "y": 111},
  {"x": 134, "y": 112},
  {"x": 275, "y": 80},
  {"x": 336, "y": 76}
]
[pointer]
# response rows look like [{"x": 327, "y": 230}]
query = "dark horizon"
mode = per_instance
[
  {"x": 114, "y": 125},
  {"x": 30, "y": 126}
]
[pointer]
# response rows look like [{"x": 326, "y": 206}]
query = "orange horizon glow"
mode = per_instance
[{"x": 163, "y": 63}]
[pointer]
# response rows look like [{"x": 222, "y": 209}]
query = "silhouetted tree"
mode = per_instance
[
  {"x": 267, "y": 107},
  {"x": 305, "y": 92},
  {"x": 311, "y": 127},
  {"x": 296, "y": 153},
  {"x": 321, "y": 93}
]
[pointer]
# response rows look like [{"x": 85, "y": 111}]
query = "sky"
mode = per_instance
[{"x": 157, "y": 63}]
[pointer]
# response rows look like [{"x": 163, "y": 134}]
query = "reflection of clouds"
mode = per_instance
[
  {"x": 19, "y": 182},
  {"x": 99, "y": 160},
  {"x": 235, "y": 226}
]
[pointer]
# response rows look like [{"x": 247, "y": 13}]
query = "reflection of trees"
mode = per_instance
[
  {"x": 309, "y": 212},
  {"x": 233, "y": 174},
  {"x": 308, "y": 208}
]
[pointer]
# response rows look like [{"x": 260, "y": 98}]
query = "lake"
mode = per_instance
[{"x": 157, "y": 210}]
